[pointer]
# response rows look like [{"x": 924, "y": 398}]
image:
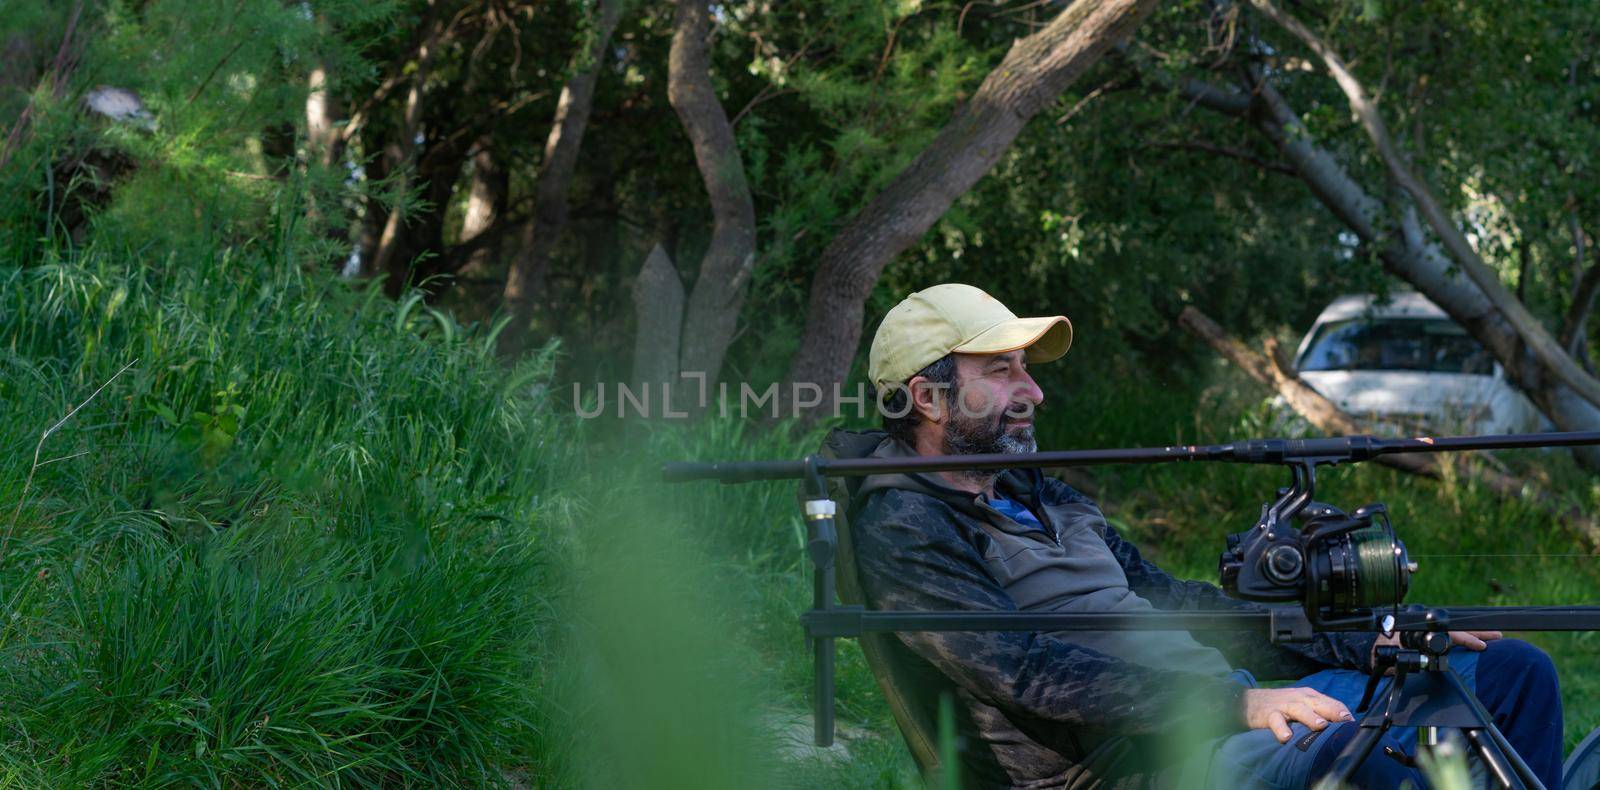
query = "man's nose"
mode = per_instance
[{"x": 1027, "y": 389}]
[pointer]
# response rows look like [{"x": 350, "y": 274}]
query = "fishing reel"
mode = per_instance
[{"x": 1341, "y": 567}]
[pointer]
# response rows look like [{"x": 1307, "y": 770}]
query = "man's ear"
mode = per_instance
[{"x": 929, "y": 399}]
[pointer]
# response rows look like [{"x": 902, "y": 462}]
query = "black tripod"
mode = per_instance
[{"x": 1427, "y": 693}]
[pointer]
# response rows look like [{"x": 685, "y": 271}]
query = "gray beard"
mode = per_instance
[{"x": 975, "y": 436}]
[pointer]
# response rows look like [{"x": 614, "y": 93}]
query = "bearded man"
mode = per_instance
[{"x": 1130, "y": 708}]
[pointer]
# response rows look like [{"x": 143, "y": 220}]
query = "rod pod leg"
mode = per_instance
[
  {"x": 1491, "y": 746},
  {"x": 822, "y": 648},
  {"x": 1492, "y": 734},
  {"x": 822, "y": 544},
  {"x": 1355, "y": 752},
  {"x": 1492, "y": 759}
]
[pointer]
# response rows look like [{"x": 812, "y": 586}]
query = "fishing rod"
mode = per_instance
[
  {"x": 1321, "y": 452},
  {"x": 1327, "y": 570}
]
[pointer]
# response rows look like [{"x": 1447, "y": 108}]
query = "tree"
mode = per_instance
[
  {"x": 456, "y": 83},
  {"x": 1034, "y": 72},
  {"x": 391, "y": 256},
  {"x": 710, "y": 314},
  {"x": 525, "y": 282}
]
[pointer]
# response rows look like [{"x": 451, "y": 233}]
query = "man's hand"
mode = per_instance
[
  {"x": 1474, "y": 640},
  {"x": 1273, "y": 709}
]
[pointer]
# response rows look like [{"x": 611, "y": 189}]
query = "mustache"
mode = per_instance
[{"x": 1019, "y": 413}]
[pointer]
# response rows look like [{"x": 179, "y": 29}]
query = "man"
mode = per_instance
[{"x": 950, "y": 364}]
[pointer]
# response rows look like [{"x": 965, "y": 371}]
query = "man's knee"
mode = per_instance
[
  {"x": 1516, "y": 676},
  {"x": 1517, "y": 683},
  {"x": 1516, "y": 658}
]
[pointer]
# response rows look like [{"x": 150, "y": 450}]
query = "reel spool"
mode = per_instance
[{"x": 1336, "y": 565}]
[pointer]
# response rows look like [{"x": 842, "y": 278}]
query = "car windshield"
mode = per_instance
[{"x": 1424, "y": 344}]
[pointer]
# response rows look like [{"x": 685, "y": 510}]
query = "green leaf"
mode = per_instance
[{"x": 165, "y": 413}]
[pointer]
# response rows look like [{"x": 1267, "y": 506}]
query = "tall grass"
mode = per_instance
[{"x": 304, "y": 539}]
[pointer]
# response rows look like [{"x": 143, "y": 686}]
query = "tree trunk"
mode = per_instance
[
  {"x": 438, "y": 173},
  {"x": 323, "y": 115},
  {"x": 374, "y": 218},
  {"x": 658, "y": 305},
  {"x": 526, "y": 282},
  {"x": 325, "y": 146},
  {"x": 486, "y": 204},
  {"x": 1573, "y": 335},
  {"x": 1034, "y": 72},
  {"x": 392, "y": 258},
  {"x": 724, "y": 276},
  {"x": 277, "y": 149}
]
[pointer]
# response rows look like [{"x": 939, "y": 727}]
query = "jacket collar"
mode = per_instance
[{"x": 1023, "y": 485}]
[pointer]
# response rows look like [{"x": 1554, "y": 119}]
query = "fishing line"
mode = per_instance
[{"x": 1488, "y": 556}]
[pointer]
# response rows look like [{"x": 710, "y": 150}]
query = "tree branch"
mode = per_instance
[
  {"x": 1212, "y": 97},
  {"x": 66, "y": 61},
  {"x": 1231, "y": 153},
  {"x": 1572, "y": 334},
  {"x": 1271, "y": 371},
  {"x": 1078, "y": 106},
  {"x": 1033, "y": 73},
  {"x": 1397, "y": 236},
  {"x": 237, "y": 45},
  {"x": 427, "y": 33},
  {"x": 388, "y": 258}
]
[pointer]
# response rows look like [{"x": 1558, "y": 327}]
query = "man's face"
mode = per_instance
[{"x": 993, "y": 405}]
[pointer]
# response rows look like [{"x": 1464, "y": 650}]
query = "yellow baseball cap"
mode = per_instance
[{"x": 935, "y": 321}]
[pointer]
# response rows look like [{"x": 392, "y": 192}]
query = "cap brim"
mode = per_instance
[{"x": 1045, "y": 338}]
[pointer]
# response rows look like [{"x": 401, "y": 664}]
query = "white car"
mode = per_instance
[{"x": 1404, "y": 367}]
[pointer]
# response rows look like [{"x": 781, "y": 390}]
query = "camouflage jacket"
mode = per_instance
[{"x": 1038, "y": 710}]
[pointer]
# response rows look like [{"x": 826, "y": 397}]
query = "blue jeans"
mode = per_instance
[{"x": 1515, "y": 681}]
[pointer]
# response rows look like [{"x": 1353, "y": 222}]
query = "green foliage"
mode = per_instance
[
  {"x": 1493, "y": 103},
  {"x": 205, "y": 163},
  {"x": 1124, "y": 203},
  {"x": 869, "y": 86},
  {"x": 301, "y": 539},
  {"x": 298, "y": 541}
]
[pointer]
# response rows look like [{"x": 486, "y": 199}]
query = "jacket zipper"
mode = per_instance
[{"x": 1044, "y": 526}]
